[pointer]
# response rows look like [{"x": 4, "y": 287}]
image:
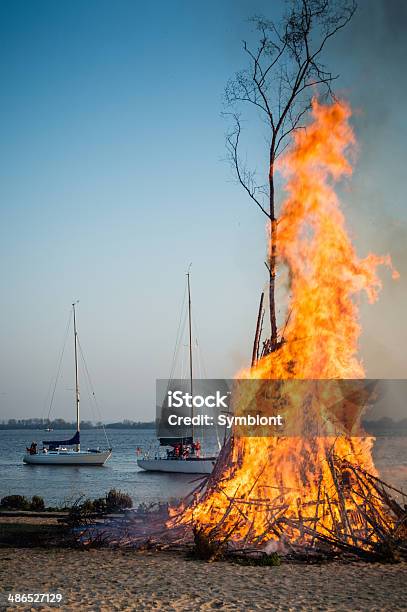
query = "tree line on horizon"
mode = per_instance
[
  {"x": 59, "y": 424},
  {"x": 383, "y": 424}
]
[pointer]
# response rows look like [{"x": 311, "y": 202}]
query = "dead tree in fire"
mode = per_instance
[{"x": 284, "y": 73}]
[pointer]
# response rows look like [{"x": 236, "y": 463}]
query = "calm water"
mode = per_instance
[{"x": 59, "y": 484}]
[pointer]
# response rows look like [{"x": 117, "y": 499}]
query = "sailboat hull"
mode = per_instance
[
  {"x": 68, "y": 458},
  {"x": 202, "y": 465}
]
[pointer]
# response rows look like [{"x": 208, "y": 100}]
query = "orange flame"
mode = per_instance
[{"x": 292, "y": 474}]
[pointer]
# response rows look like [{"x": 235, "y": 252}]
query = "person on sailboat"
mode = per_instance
[
  {"x": 33, "y": 448},
  {"x": 185, "y": 452}
]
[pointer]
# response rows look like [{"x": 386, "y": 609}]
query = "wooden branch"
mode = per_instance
[
  {"x": 233, "y": 141},
  {"x": 257, "y": 334}
]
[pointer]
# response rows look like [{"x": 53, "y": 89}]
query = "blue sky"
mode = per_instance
[{"x": 113, "y": 179}]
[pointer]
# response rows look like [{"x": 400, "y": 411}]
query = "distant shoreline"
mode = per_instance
[
  {"x": 63, "y": 425},
  {"x": 383, "y": 426}
]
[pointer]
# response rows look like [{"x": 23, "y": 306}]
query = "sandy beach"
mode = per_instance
[{"x": 105, "y": 580}]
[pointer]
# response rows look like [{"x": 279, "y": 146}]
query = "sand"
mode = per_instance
[
  {"x": 108, "y": 580},
  {"x": 105, "y": 580}
]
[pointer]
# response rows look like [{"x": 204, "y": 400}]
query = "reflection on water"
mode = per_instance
[{"x": 58, "y": 484}]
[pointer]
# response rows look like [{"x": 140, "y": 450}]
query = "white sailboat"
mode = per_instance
[
  {"x": 176, "y": 461},
  {"x": 190, "y": 465},
  {"x": 67, "y": 452}
]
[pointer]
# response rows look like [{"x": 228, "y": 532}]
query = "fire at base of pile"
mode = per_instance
[
  {"x": 306, "y": 493},
  {"x": 349, "y": 512},
  {"x": 354, "y": 514}
]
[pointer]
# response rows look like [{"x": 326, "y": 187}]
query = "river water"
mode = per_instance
[{"x": 59, "y": 484}]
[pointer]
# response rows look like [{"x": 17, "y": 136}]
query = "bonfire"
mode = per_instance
[
  {"x": 298, "y": 493},
  {"x": 301, "y": 495}
]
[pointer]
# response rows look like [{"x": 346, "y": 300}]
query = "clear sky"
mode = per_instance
[{"x": 113, "y": 179}]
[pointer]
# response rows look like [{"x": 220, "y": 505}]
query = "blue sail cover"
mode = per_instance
[
  {"x": 56, "y": 443},
  {"x": 173, "y": 441}
]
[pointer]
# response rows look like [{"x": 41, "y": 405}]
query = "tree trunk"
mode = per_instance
[{"x": 272, "y": 260}]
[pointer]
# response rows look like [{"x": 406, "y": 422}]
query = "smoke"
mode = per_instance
[{"x": 370, "y": 55}]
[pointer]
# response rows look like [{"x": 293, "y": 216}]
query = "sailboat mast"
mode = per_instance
[
  {"x": 190, "y": 351},
  {"x": 76, "y": 372}
]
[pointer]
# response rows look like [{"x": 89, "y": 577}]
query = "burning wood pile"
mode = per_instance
[
  {"x": 300, "y": 495},
  {"x": 350, "y": 511}
]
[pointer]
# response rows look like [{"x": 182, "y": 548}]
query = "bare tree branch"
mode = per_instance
[
  {"x": 284, "y": 73},
  {"x": 244, "y": 177}
]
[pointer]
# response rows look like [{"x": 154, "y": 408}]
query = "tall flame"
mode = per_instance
[
  {"x": 323, "y": 330},
  {"x": 320, "y": 342}
]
